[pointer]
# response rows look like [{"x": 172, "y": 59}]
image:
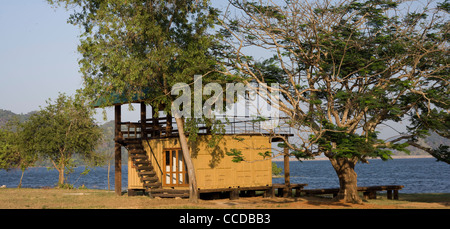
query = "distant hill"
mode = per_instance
[
  {"x": 105, "y": 147},
  {"x": 6, "y": 115},
  {"x": 432, "y": 141}
]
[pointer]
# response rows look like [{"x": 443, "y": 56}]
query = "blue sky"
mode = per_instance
[
  {"x": 38, "y": 54},
  {"x": 39, "y": 57}
]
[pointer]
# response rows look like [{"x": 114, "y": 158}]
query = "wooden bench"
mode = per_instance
[
  {"x": 369, "y": 192},
  {"x": 286, "y": 190},
  {"x": 233, "y": 192},
  {"x": 269, "y": 191}
]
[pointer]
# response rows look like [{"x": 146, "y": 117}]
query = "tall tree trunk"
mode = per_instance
[
  {"x": 117, "y": 150},
  {"x": 193, "y": 191},
  {"x": 61, "y": 174},
  {"x": 61, "y": 177},
  {"x": 60, "y": 168},
  {"x": 348, "y": 189}
]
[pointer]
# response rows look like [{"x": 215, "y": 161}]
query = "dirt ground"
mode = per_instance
[
  {"x": 11, "y": 198},
  {"x": 327, "y": 203}
]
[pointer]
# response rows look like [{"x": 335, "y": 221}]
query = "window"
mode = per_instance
[{"x": 175, "y": 172}]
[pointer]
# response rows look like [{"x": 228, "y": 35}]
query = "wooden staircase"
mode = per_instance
[
  {"x": 147, "y": 173},
  {"x": 142, "y": 164}
]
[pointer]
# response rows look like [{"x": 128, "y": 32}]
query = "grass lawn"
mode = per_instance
[{"x": 12, "y": 198}]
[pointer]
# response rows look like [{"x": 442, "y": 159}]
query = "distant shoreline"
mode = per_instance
[{"x": 326, "y": 158}]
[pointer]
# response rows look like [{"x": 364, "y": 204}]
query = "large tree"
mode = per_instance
[
  {"x": 143, "y": 48},
  {"x": 346, "y": 68},
  {"x": 60, "y": 131}
]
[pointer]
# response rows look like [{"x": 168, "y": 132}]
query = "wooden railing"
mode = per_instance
[
  {"x": 164, "y": 127},
  {"x": 131, "y": 130}
]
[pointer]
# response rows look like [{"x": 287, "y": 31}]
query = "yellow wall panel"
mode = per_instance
[{"x": 214, "y": 169}]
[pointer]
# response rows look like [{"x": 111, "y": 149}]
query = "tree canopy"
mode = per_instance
[
  {"x": 142, "y": 47},
  {"x": 11, "y": 144}
]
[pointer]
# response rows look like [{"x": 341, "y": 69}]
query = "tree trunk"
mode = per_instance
[
  {"x": 61, "y": 176},
  {"x": 117, "y": 150},
  {"x": 109, "y": 169},
  {"x": 193, "y": 192},
  {"x": 21, "y": 177},
  {"x": 60, "y": 168},
  {"x": 348, "y": 189},
  {"x": 60, "y": 172}
]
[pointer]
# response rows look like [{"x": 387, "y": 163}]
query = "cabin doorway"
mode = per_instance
[{"x": 175, "y": 171}]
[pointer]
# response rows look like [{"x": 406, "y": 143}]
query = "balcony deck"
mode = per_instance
[{"x": 236, "y": 125}]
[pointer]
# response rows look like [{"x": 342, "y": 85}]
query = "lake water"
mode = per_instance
[{"x": 419, "y": 175}]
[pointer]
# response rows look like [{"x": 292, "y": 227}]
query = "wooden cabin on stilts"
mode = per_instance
[{"x": 156, "y": 164}]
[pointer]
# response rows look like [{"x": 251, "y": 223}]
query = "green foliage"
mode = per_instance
[
  {"x": 301, "y": 155},
  {"x": 9, "y": 153},
  {"x": 215, "y": 129},
  {"x": 337, "y": 143},
  {"x": 65, "y": 186},
  {"x": 444, "y": 6},
  {"x": 12, "y": 143},
  {"x": 442, "y": 153},
  {"x": 236, "y": 154},
  {"x": 62, "y": 130},
  {"x": 267, "y": 154},
  {"x": 276, "y": 171},
  {"x": 238, "y": 157},
  {"x": 240, "y": 139},
  {"x": 6, "y": 116}
]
